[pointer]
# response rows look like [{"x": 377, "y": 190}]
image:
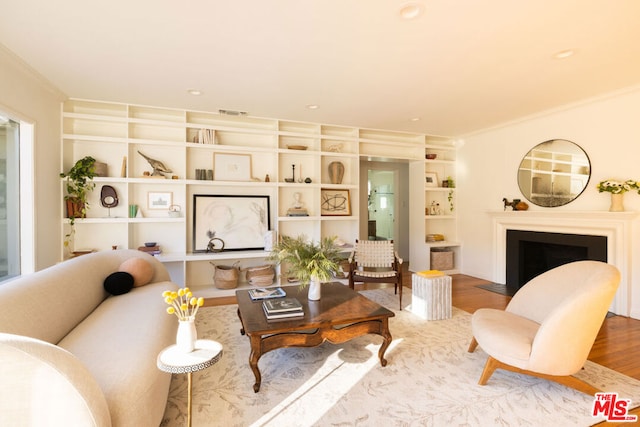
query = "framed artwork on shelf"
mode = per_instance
[
  {"x": 334, "y": 202},
  {"x": 159, "y": 199},
  {"x": 431, "y": 179},
  {"x": 241, "y": 222},
  {"x": 231, "y": 167}
]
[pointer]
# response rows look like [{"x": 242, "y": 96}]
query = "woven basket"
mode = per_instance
[
  {"x": 225, "y": 276},
  {"x": 261, "y": 276}
]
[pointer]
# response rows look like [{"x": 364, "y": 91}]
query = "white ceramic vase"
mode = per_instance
[
  {"x": 617, "y": 202},
  {"x": 186, "y": 336},
  {"x": 315, "y": 288}
]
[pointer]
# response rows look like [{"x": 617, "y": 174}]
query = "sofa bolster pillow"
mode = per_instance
[
  {"x": 118, "y": 283},
  {"x": 140, "y": 269},
  {"x": 43, "y": 384}
]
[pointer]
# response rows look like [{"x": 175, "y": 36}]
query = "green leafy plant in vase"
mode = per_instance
[
  {"x": 79, "y": 183},
  {"x": 307, "y": 261}
]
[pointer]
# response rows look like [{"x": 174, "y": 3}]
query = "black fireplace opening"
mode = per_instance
[{"x": 530, "y": 253}]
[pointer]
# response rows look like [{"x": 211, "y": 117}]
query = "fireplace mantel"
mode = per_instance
[{"x": 618, "y": 227}]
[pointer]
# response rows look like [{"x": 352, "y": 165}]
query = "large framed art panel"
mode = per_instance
[{"x": 239, "y": 221}]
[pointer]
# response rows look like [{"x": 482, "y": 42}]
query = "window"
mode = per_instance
[{"x": 9, "y": 198}]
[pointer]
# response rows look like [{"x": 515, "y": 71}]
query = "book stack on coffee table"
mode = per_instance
[
  {"x": 266, "y": 293},
  {"x": 282, "y": 308}
]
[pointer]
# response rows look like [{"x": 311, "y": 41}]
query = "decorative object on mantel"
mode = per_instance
[
  {"x": 185, "y": 306},
  {"x": 158, "y": 167},
  {"x": 516, "y": 204},
  {"x": 310, "y": 263},
  {"x": 617, "y": 190}
]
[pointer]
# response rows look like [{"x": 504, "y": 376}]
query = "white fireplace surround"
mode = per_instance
[{"x": 618, "y": 227}]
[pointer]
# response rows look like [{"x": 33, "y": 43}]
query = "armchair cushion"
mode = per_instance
[{"x": 506, "y": 334}]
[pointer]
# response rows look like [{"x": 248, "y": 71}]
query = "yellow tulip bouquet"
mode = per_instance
[{"x": 182, "y": 303}]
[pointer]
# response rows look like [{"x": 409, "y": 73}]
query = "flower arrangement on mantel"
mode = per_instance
[
  {"x": 618, "y": 187},
  {"x": 182, "y": 303},
  {"x": 307, "y": 259}
]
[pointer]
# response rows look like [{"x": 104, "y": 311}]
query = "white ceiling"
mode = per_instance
[{"x": 460, "y": 66}]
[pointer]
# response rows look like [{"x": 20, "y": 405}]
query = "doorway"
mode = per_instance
[
  {"x": 381, "y": 215},
  {"x": 391, "y": 179}
]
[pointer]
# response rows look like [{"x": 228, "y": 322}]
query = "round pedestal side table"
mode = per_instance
[{"x": 172, "y": 360}]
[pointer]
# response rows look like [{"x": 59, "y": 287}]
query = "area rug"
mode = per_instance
[{"x": 430, "y": 380}]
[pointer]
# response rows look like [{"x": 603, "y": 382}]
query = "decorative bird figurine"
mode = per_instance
[{"x": 157, "y": 165}]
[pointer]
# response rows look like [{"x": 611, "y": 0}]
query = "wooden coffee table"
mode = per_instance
[{"x": 340, "y": 315}]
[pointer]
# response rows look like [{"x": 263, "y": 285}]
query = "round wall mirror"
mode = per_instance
[{"x": 554, "y": 173}]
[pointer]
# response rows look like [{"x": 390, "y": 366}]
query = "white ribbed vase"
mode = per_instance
[
  {"x": 617, "y": 202},
  {"x": 315, "y": 288},
  {"x": 186, "y": 336}
]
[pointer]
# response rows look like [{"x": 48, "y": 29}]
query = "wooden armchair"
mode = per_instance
[{"x": 375, "y": 261}]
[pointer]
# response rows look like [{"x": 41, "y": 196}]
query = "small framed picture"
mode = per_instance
[
  {"x": 159, "y": 199},
  {"x": 431, "y": 179},
  {"x": 334, "y": 202},
  {"x": 231, "y": 167}
]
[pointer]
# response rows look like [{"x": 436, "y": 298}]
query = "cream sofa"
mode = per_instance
[{"x": 73, "y": 355}]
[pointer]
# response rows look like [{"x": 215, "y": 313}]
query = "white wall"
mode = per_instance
[
  {"x": 608, "y": 130},
  {"x": 26, "y": 96}
]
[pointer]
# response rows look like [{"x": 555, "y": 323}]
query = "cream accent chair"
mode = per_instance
[
  {"x": 550, "y": 324},
  {"x": 375, "y": 261}
]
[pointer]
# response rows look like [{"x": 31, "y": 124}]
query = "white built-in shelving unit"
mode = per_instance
[{"x": 115, "y": 133}]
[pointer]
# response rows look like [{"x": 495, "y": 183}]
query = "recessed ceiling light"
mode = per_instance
[
  {"x": 415, "y": 119},
  {"x": 564, "y": 54},
  {"x": 312, "y": 107},
  {"x": 194, "y": 92},
  {"x": 410, "y": 10}
]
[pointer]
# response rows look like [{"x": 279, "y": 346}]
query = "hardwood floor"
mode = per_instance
[{"x": 616, "y": 347}]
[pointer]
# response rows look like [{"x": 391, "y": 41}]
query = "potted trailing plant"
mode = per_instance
[
  {"x": 78, "y": 184},
  {"x": 309, "y": 262}
]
